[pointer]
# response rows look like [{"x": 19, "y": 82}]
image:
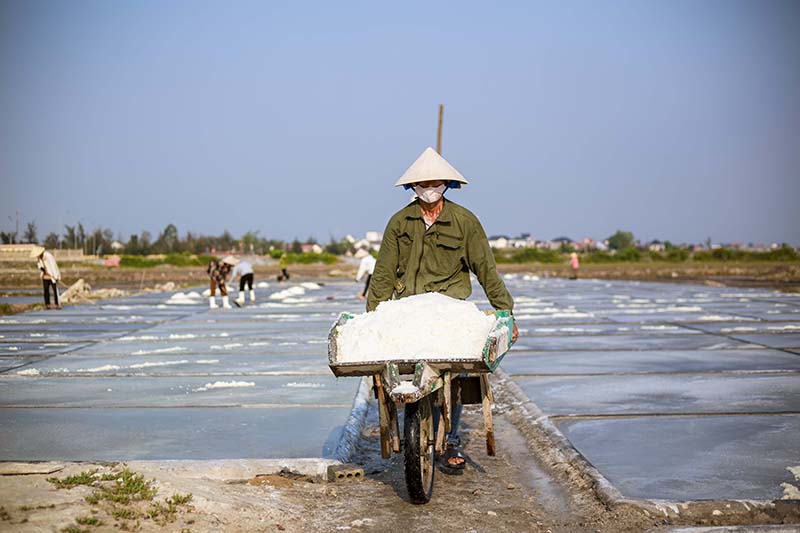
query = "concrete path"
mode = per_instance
[
  {"x": 163, "y": 377},
  {"x": 673, "y": 392}
]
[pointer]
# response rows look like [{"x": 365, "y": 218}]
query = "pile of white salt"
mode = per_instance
[{"x": 426, "y": 326}]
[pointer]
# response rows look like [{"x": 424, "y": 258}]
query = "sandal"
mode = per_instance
[{"x": 452, "y": 461}]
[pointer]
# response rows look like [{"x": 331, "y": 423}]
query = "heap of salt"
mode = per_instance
[{"x": 426, "y": 326}]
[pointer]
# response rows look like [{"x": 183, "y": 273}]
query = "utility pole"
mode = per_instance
[
  {"x": 16, "y": 235},
  {"x": 439, "y": 133}
]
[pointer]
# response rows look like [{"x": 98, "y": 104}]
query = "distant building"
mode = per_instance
[
  {"x": 656, "y": 246},
  {"x": 585, "y": 244},
  {"x": 371, "y": 241},
  {"x": 500, "y": 242},
  {"x": 311, "y": 248},
  {"x": 374, "y": 237}
]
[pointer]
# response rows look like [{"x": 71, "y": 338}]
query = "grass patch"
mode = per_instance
[
  {"x": 70, "y": 482},
  {"x": 122, "y": 495},
  {"x": 311, "y": 257},
  {"x": 128, "y": 486},
  {"x": 529, "y": 255},
  {"x": 88, "y": 521},
  {"x": 162, "y": 513},
  {"x": 124, "y": 513},
  {"x": 179, "y": 260}
]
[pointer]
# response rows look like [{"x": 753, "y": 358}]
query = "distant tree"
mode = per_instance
[
  {"x": 167, "y": 240},
  {"x": 70, "y": 237},
  {"x": 621, "y": 240},
  {"x": 8, "y": 237},
  {"x": 30, "y": 233},
  {"x": 51, "y": 241},
  {"x": 337, "y": 248},
  {"x": 311, "y": 240},
  {"x": 250, "y": 241},
  {"x": 133, "y": 247},
  {"x": 100, "y": 240},
  {"x": 81, "y": 234},
  {"x": 566, "y": 247},
  {"x": 274, "y": 244},
  {"x": 297, "y": 247},
  {"x": 226, "y": 241},
  {"x": 145, "y": 242}
]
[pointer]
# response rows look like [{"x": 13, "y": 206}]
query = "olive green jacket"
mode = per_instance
[{"x": 414, "y": 261}]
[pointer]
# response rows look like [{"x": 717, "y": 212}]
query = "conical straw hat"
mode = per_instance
[
  {"x": 36, "y": 251},
  {"x": 231, "y": 260},
  {"x": 428, "y": 167}
]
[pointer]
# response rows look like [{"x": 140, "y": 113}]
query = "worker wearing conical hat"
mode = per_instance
[
  {"x": 218, "y": 272},
  {"x": 49, "y": 272},
  {"x": 432, "y": 245}
]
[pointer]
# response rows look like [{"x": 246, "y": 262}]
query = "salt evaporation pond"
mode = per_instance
[{"x": 671, "y": 391}]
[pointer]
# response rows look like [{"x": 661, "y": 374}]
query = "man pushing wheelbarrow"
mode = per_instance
[{"x": 431, "y": 246}]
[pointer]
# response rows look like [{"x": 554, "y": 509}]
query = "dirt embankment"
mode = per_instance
[
  {"x": 782, "y": 276},
  {"x": 766, "y": 274},
  {"x": 23, "y": 275}
]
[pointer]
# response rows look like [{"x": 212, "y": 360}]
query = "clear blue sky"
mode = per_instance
[{"x": 673, "y": 119}]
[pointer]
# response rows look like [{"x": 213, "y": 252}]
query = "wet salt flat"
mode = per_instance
[
  {"x": 674, "y": 392},
  {"x": 147, "y": 378}
]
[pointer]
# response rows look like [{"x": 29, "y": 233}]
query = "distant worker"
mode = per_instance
[
  {"x": 244, "y": 270},
  {"x": 574, "y": 264},
  {"x": 49, "y": 272},
  {"x": 367, "y": 267},
  {"x": 218, "y": 272},
  {"x": 283, "y": 262}
]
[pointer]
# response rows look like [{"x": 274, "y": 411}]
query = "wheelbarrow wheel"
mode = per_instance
[{"x": 419, "y": 450}]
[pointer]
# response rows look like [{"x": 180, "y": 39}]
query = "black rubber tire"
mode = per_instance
[{"x": 419, "y": 450}]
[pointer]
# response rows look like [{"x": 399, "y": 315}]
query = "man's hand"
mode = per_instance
[{"x": 514, "y": 333}]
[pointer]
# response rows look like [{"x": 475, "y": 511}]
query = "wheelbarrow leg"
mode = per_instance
[
  {"x": 395, "y": 427},
  {"x": 446, "y": 406},
  {"x": 383, "y": 417},
  {"x": 487, "y": 399}
]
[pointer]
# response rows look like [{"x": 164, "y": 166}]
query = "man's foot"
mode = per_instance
[{"x": 452, "y": 461}]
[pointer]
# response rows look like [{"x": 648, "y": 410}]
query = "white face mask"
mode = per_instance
[{"x": 430, "y": 195}]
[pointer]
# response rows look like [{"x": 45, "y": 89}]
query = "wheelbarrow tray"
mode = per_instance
[{"x": 496, "y": 346}]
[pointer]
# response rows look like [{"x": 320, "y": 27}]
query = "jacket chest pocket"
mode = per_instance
[{"x": 450, "y": 252}]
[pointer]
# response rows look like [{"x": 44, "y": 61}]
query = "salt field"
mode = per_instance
[
  {"x": 672, "y": 391},
  {"x": 161, "y": 376}
]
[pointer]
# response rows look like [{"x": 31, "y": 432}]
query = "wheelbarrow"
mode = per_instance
[{"x": 421, "y": 386}]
